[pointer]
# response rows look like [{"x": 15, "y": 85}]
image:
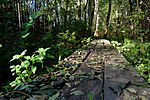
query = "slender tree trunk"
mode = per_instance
[
  {"x": 130, "y": 3},
  {"x": 138, "y": 4},
  {"x": 15, "y": 15},
  {"x": 90, "y": 15},
  {"x": 107, "y": 19},
  {"x": 85, "y": 14},
  {"x": 19, "y": 20},
  {"x": 57, "y": 15},
  {"x": 96, "y": 15},
  {"x": 35, "y": 5},
  {"x": 79, "y": 9},
  {"x": 43, "y": 17}
]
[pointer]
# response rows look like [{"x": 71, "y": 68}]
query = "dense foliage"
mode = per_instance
[{"x": 138, "y": 54}]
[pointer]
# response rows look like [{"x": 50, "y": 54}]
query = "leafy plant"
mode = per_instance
[
  {"x": 27, "y": 68},
  {"x": 138, "y": 54}
]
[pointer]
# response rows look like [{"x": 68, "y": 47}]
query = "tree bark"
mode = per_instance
[
  {"x": 91, "y": 6},
  {"x": 107, "y": 19},
  {"x": 19, "y": 20},
  {"x": 79, "y": 9},
  {"x": 85, "y": 14},
  {"x": 56, "y": 9},
  {"x": 130, "y": 3},
  {"x": 96, "y": 17}
]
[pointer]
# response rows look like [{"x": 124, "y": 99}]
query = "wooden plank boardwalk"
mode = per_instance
[{"x": 97, "y": 71}]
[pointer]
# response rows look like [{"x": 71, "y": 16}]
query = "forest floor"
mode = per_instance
[{"x": 95, "y": 72}]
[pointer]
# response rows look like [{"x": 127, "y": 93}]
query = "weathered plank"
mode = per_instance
[
  {"x": 121, "y": 79},
  {"x": 91, "y": 80}
]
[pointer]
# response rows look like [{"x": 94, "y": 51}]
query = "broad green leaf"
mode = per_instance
[
  {"x": 15, "y": 57},
  {"x": 39, "y": 58},
  {"x": 35, "y": 15},
  {"x": 17, "y": 87},
  {"x": 26, "y": 35},
  {"x": 90, "y": 96},
  {"x": 68, "y": 84},
  {"x": 131, "y": 90},
  {"x": 33, "y": 69},
  {"x": 24, "y": 52},
  {"x": 63, "y": 72},
  {"x": 26, "y": 86},
  {"x": 27, "y": 57},
  {"x": 12, "y": 66},
  {"x": 0, "y": 45},
  {"x": 140, "y": 84},
  {"x": 25, "y": 64},
  {"x": 28, "y": 25},
  {"x": 25, "y": 71},
  {"x": 50, "y": 56},
  {"x": 76, "y": 83},
  {"x": 12, "y": 70},
  {"x": 78, "y": 92},
  {"x": 121, "y": 85},
  {"x": 54, "y": 97}
]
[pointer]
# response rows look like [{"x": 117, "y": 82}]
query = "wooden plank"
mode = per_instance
[
  {"x": 91, "y": 84},
  {"x": 121, "y": 80}
]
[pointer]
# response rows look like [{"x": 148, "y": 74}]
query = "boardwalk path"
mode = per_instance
[
  {"x": 111, "y": 77},
  {"x": 98, "y": 71}
]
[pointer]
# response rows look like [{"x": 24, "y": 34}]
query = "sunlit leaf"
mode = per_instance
[
  {"x": 24, "y": 52},
  {"x": 35, "y": 15},
  {"x": 27, "y": 57},
  {"x": 33, "y": 69},
  {"x": 26, "y": 35},
  {"x": 68, "y": 84},
  {"x": 50, "y": 56},
  {"x": 78, "y": 92},
  {"x": 12, "y": 66},
  {"x": 90, "y": 96},
  {"x": 25, "y": 64},
  {"x": 131, "y": 90},
  {"x": 54, "y": 97},
  {"x": 12, "y": 70},
  {"x": 15, "y": 57}
]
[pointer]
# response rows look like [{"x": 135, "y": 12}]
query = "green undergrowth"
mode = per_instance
[
  {"x": 138, "y": 54},
  {"x": 27, "y": 66}
]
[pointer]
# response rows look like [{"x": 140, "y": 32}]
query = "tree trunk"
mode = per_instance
[
  {"x": 96, "y": 17},
  {"x": 19, "y": 20},
  {"x": 56, "y": 9},
  {"x": 107, "y": 19},
  {"x": 79, "y": 9},
  {"x": 85, "y": 16},
  {"x": 130, "y": 3},
  {"x": 91, "y": 6}
]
